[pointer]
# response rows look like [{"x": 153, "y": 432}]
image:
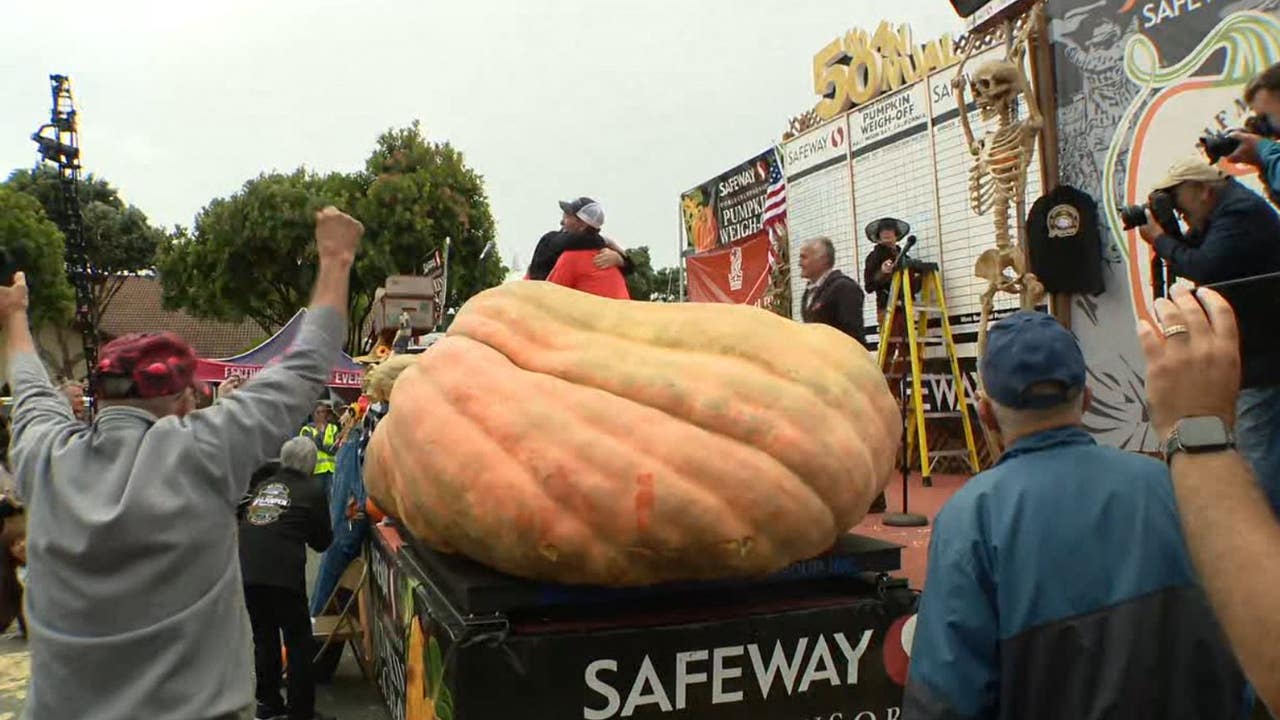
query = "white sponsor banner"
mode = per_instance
[{"x": 815, "y": 147}]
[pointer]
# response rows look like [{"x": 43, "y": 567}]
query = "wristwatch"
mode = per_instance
[{"x": 1201, "y": 434}]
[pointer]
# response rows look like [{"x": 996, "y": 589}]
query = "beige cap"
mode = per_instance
[{"x": 1192, "y": 168}]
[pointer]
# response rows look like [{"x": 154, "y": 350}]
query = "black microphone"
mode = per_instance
[{"x": 902, "y": 254}]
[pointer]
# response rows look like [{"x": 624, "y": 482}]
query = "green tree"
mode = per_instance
[
  {"x": 252, "y": 254},
  {"x": 647, "y": 284},
  {"x": 419, "y": 194},
  {"x": 641, "y": 280},
  {"x": 118, "y": 236},
  {"x": 31, "y": 243}
]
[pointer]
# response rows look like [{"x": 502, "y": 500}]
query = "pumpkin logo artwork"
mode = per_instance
[
  {"x": 735, "y": 268},
  {"x": 269, "y": 504}
]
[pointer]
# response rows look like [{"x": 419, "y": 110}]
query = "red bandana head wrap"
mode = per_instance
[{"x": 158, "y": 364}]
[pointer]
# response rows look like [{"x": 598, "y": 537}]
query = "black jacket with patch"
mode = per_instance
[{"x": 283, "y": 512}]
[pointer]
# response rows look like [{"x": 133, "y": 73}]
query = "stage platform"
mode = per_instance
[{"x": 914, "y": 541}]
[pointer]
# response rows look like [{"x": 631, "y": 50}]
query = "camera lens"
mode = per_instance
[{"x": 1133, "y": 216}]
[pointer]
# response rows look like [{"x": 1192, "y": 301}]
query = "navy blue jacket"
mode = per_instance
[
  {"x": 1241, "y": 239},
  {"x": 1059, "y": 586}
]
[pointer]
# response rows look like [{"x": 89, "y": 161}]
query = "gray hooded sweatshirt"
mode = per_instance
[{"x": 134, "y": 601}]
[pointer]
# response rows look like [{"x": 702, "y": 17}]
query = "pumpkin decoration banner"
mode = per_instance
[{"x": 731, "y": 207}]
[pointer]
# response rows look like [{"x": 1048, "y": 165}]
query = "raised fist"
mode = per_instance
[
  {"x": 337, "y": 236},
  {"x": 13, "y": 299}
]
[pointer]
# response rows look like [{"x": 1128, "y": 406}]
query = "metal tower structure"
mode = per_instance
[{"x": 59, "y": 144}]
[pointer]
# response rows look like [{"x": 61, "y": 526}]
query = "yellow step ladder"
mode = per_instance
[{"x": 921, "y": 334}]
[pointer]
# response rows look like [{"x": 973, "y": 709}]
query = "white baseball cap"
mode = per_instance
[{"x": 585, "y": 209}]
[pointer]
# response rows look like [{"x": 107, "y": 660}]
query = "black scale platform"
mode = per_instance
[{"x": 473, "y": 589}]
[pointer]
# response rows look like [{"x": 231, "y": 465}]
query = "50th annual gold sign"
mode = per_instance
[{"x": 857, "y": 68}]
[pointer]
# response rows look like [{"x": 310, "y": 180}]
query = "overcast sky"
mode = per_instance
[{"x": 629, "y": 101}]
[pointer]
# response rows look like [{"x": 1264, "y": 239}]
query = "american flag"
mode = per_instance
[{"x": 775, "y": 207}]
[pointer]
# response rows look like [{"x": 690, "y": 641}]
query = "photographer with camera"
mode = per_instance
[
  {"x": 1233, "y": 234},
  {"x": 1256, "y": 144}
]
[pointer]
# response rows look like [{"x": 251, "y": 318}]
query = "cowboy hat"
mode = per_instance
[{"x": 875, "y": 226}]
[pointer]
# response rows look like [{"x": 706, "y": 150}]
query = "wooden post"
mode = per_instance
[{"x": 1041, "y": 58}]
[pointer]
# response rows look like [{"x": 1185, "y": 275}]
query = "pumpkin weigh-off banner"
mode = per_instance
[
  {"x": 738, "y": 273},
  {"x": 730, "y": 207}
]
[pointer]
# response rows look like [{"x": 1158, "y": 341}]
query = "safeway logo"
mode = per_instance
[
  {"x": 837, "y": 136},
  {"x": 897, "y": 648}
]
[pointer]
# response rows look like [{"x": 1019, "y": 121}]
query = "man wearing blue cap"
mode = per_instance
[{"x": 1059, "y": 585}]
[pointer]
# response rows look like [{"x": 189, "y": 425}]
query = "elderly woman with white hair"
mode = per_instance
[{"x": 284, "y": 511}]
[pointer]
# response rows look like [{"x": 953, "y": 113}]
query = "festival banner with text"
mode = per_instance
[{"x": 729, "y": 208}]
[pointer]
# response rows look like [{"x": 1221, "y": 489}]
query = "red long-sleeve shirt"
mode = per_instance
[{"x": 576, "y": 269}]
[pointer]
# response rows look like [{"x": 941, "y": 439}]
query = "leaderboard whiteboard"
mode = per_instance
[
  {"x": 819, "y": 199},
  {"x": 906, "y": 158},
  {"x": 893, "y": 174}
]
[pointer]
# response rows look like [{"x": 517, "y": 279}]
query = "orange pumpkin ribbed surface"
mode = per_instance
[{"x": 559, "y": 436}]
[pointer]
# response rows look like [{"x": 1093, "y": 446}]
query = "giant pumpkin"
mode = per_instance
[{"x": 560, "y": 436}]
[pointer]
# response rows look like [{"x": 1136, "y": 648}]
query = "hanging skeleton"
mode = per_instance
[{"x": 998, "y": 177}]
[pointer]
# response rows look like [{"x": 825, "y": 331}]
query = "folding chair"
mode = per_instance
[{"x": 344, "y": 627}]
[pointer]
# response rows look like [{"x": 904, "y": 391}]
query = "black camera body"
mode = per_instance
[
  {"x": 1218, "y": 145},
  {"x": 1161, "y": 205}
]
